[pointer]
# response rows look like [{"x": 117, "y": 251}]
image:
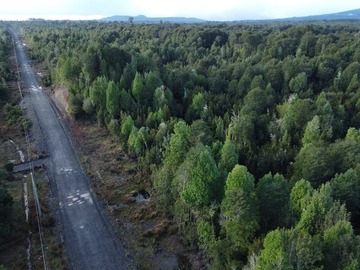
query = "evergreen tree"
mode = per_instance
[
  {"x": 201, "y": 187},
  {"x": 240, "y": 208},
  {"x": 113, "y": 100},
  {"x": 137, "y": 87}
]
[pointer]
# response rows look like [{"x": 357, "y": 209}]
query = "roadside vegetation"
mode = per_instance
[
  {"x": 246, "y": 135},
  {"x": 13, "y": 228},
  {"x": 19, "y": 240}
]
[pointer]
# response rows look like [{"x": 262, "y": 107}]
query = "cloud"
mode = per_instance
[{"x": 199, "y": 8}]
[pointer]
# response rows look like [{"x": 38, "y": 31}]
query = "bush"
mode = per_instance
[
  {"x": 9, "y": 167},
  {"x": 26, "y": 124},
  {"x": 3, "y": 91},
  {"x": 114, "y": 127},
  {"x": 76, "y": 106},
  {"x": 12, "y": 114},
  {"x": 46, "y": 81},
  {"x": 6, "y": 202},
  {"x": 5, "y": 231},
  {"x": 88, "y": 107}
]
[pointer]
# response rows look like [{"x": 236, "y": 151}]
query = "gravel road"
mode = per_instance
[{"x": 89, "y": 242}]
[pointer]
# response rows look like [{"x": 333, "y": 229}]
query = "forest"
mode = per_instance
[{"x": 250, "y": 132}]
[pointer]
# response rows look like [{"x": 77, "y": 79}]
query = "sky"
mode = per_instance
[{"x": 224, "y": 10}]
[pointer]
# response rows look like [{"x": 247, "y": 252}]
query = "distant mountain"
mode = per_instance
[
  {"x": 345, "y": 15},
  {"x": 144, "y": 19}
]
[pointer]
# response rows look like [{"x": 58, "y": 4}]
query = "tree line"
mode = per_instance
[{"x": 250, "y": 132}]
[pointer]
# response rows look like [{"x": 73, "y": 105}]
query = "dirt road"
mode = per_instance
[{"x": 89, "y": 242}]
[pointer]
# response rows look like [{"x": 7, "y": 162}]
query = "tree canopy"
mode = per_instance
[{"x": 250, "y": 131}]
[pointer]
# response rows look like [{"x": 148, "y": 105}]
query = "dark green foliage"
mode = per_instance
[
  {"x": 290, "y": 249},
  {"x": 293, "y": 118},
  {"x": 98, "y": 92},
  {"x": 346, "y": 188},
  {"x": 14, "y": 117},
  {"x": 186, "y": 222},
  {"x": 273, "y": 195},
  {"x": 9, "y": 166},
  {"x": 314, "y": 164},
  {"x": 200, "y": 132},
  {"x": 206, "y": 235},
  {"x": 240, "y": 208},
  {"x": 13, "y": 114},
  {"x": 68, "y": 69},
  {"x": 177, "y": 151},
  {"x": 341, "y": 246},
  {"x": 299, "y": 83},
  {"x": 229, "y": 157},
  {"x": 278, "y": 98},
  {"x": 6, "y": 203},
  {"x": 137, "y": 87},
  {"x": 113, "y": 100},
  {"x": 321, "y": 212},
  {"x": 76, "y": 104},
  {"x": 162, "y": 180}
]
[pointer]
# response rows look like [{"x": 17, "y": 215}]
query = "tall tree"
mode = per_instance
[
  {"x": 299, "y": 84},
  {"x": 273, "y": 195},
  {"x": 312, "y": 132},
  {"x": 346, "y": 188},
  {"x": 179, "y": 144},
  {"x": 314, "y": 164},
  {"x": 201, "y": 187},
  {"x": 176, "y": 152},
  {"x": 229, "y": 157},
  {"x": 300, "y": 196},
  {"x": 127, "y": 125},
  {"x": 342, "y": 247},
  {"x": 98, "y": 92},
  {"x": 290, "y": 249},
  {"x": 137, "y": 87},
  {"x": 321, "y": 212},
  {"x": 113, "y": 100},
  {"x": 240, "y": 208}
]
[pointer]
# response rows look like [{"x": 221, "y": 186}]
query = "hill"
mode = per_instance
[
  {"x": 144, "y": 19},
  {"x": 345, "y": 15}
]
